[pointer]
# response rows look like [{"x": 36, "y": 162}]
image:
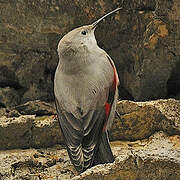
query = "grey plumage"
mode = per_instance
[{"x": 85, "y": 81}]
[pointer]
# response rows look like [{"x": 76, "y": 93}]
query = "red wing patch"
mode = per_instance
[
  {"x": 111, "y": 93},
  {"x": 107, "y": 109}
]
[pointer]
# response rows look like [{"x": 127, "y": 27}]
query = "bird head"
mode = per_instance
[{"x": 80, "y": 40}]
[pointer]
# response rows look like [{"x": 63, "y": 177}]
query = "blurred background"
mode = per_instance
[{"x": 143, "y": 40}]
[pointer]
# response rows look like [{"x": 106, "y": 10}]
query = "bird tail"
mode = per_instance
[{"x": 103, "y": 153}]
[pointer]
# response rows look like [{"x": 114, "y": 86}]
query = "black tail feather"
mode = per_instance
[{"x": 103, "y": 153}]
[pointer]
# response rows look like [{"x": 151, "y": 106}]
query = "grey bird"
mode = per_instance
[{"x": 86, "y": 92}]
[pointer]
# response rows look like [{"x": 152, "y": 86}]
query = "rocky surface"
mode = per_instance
[
  {"x": 37, "y": 108},
  {"x": 149, "y": 71},
  {"x": 143, "y": 40},
  {"x": 157, "y": 157},
  {"x": 15, "y": 132},
  {"x": 155, "y": 125},
  {"x": 135, "y": 120},
  {"x": 29, "y": 131},
  {"x": 138, "y": 120},
  {"x": 8, "y": 97},
  {"x": 35, "y": 164}
]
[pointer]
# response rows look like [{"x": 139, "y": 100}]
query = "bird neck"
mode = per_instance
[{"x": 74, "y": 60}]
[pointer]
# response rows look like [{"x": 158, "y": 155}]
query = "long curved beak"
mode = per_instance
[{"x": 100, "y": 19}]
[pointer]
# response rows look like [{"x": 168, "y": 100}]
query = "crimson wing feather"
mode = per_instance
[{"x": 110, "y": 105}]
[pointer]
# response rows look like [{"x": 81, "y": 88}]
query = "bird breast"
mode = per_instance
[{"x": 86, "y": 90}]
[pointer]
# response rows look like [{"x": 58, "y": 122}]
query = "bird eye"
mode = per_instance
[{"x": 83, "y": 32}]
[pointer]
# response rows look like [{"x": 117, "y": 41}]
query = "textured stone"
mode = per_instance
[
  {"x": 3, "y": 111},
  {"x": 148, "y": 56},
  {"x": 154, "y": 158},
  {"x": 9, "y": 113},
  {"x": 138, "y": 120},
  {"x": 35, "y": 163},
  {"x": 15, "y": 132},
  {"x": 143, "y": 40},
  {"x": 46, "y": 132},
  {"x": 33, "y": 74},
  {"x": 7, "y": 76},
  {"x": 29, "y": 131},
  {"x": 8, "y": 97},
  {"x": 38, "y": 108}
]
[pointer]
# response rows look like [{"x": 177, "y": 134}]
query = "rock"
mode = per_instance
[
  {"x": 27, "y": 131},
  {"x": 148, "y": 56},
  {"x": 46, "y": 132},
  {"x": 13, "y": 113},
  {"x": 40, "y": 131},
  {"x": 34, "y": 76},
  {"x": 8, "y": 77},
  {"x": 15, "y": 132},
  {"x": 171, "y": 110},
  {"x": 154, "y": 158},
  {"x": 139, "y": 120},
  {"x": 37, "y": 107},
  {"x": 9, "y": 113},
  {"x": 4, "y": 111},
  {"x": 151, "y": 155},
  {"x": 35, "y": 164},
  {"x": 144, "y": 44},
  {"x": 8, "y": 97}
]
